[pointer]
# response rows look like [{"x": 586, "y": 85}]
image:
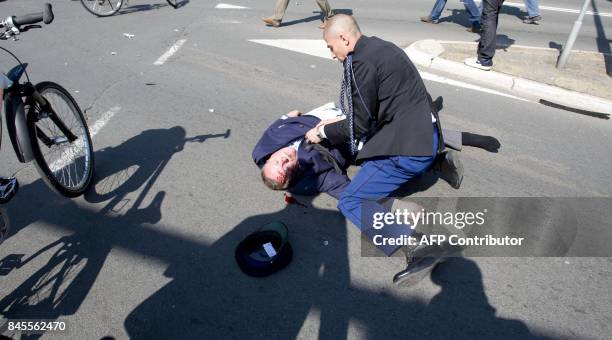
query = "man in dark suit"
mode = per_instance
[{"x": 391, "y": 116}]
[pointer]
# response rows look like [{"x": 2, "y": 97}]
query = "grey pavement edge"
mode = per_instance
[{"x": 426, "y": 53}]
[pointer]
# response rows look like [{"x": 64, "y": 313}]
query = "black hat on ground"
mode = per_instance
[{"x": 265, "y": 251}]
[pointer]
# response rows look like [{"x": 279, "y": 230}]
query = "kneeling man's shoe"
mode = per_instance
[
  {"x": 452, "y": 168},
  {"x": 416, "y": 271}
]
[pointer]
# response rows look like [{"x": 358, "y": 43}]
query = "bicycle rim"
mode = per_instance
[
  {"x": 102, "y": 8},
  {"x": 67, "y": 166}
]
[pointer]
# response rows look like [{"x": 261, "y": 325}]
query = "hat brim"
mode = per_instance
[{"x": 248, "y": 253}]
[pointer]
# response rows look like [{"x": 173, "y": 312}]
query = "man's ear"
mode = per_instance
[{"x": 345, "y": 39}]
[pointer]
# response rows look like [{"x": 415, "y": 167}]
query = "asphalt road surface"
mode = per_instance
[{"x": 148, "y": 252}]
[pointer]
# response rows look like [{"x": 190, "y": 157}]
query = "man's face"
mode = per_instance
[
  {"x": 338, "y": 45},
  {"x": 281, "y": 165}
]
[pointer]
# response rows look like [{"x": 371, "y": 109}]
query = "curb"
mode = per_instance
[{"x": 425, "y": 53}]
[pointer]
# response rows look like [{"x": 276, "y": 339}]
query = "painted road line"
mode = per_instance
[
  {"x": 559, "y": 9},
  {"x": 457, "y": 83},
  {"x": 164, "y": 57},
  {"x": 93, "y": 130},
  {"x": 99, "y": 124},
  {"x": 318, "y": 48},
  {"x": 228, "y": 6}
]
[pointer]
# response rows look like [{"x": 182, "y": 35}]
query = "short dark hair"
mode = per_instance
[{"x": 272, "y": 183}]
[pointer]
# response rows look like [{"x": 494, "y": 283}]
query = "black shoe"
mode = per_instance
[
  {"x": 452, "y": 168},
  {"x": 438, "y": 104},
  {"x": 416, "y": 252},
  {"x": 416, "y": 271},
  {"x": 8, "y": 189},
  {"x": 474, "y": 29},
  {"x": 4, "y": 225},
  {"x": 532, "y": 20}
]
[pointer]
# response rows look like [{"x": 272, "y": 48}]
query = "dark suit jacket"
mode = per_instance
[
  {"x": 395, "y": 95},
  {"x": 317, "y": 171}
]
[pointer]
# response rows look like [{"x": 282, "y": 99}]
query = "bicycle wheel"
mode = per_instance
[
  {"x": 102, "y": 8},
  {"x": 67, "y": 167},
  {"x": 173, "y": 3}
]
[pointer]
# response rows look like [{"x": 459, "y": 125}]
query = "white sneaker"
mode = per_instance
[{"x": 474, "y": 62}]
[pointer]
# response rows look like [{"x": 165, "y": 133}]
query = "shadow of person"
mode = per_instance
[
  {"x": 459, "y": 17},
  {"x": 603, "y": 43},
  {"x": 214, "y": 299},
  {"x": 303, "y": 20},
  {"x": 149, "y": 7},
  {"x": 60, "y": 286},
  {"x": 503, "y": 42},
  {"x": 514, "y": 11},
  {"x": 319, "y": 16},
  {"x": 139, "y": 161},
  {"x": 462, "y": 308}
]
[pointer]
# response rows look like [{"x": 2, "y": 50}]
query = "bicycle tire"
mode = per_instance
[
  {"x": 56, "y": 172},
  {"x": 174, "y": 3},
  {"x": 102, "y": 8}
]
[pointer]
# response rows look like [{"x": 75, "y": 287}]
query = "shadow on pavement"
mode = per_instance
[
  {"x": 603, "y": 43},
  {"x": 459, "y": 17},
  {"x": 319, "y": 16},
  {"x": 60, "y": 286},
  {"x": 149, "y": 7},
  {"x": 208, "y": 296}
]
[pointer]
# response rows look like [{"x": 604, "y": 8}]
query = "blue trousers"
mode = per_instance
[
  {"x": 533, "y": 8},
  {"x": 380, "y": 177},
  {"x": 470, "y": 6}
]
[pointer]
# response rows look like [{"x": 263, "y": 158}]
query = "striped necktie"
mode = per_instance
[{"x": 346, "y": 101}]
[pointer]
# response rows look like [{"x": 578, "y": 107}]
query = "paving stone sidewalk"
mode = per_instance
[{"x": 585, "y": 72}]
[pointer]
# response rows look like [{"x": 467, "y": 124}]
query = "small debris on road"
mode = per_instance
[
  {"x": 211, "y": 110},
  {"x": 128, "y": 35}
]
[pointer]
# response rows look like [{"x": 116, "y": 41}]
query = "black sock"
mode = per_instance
[{"x": 488, "y": 143}]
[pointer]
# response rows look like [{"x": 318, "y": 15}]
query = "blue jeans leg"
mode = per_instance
[
  {"x": 380, "y": 177},
  {"x": 437, "y": 9},
  {"x": 533, "y": 8},
  {"x": 474, "y": 12}
]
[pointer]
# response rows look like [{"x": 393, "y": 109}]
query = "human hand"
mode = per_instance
[
  {"x": 294, "y": 113},
  {"x": 312, "y": 136}
]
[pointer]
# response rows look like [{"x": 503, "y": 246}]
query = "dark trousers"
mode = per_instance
[{"x": 488, "y": 20}]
